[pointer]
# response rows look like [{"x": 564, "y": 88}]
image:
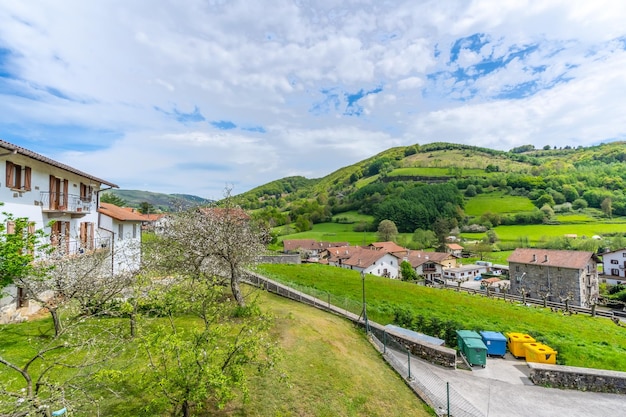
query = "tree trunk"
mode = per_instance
[
  {"x": 56, "y": 320},
  {"x": 133, "y": 325},
  {"x": 234, "y": 286},
  {"x": 186, "y": 408}
]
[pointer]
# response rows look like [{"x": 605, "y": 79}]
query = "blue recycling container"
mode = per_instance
[{"x": 495, "y": 342}]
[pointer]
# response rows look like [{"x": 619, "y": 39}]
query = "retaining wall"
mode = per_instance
[
  {"x": 582, "y": 379},
  {"x": 280, "y": 259}
]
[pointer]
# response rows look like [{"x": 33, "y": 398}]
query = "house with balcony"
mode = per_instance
[
  {"x": 614, "y": 267},
  {"x": 430, "y": 265},
  {"x": 559, "y": 274},
  {"x": 59, "y": 199}
]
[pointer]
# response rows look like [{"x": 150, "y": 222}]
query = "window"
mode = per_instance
[
  {"x": 615, "y": 272},
  {"x": 134, "y": 231},
  {"x": 87, "y": 235},
  {"x": 623, "y": 254},
  {"x": 18, "y": 177},
  {"x": 120, "y": 232},
  {"x": 614, "y": 261},
  {"x": 86, "y": 191},
  {"x": 60, "y": 235}
]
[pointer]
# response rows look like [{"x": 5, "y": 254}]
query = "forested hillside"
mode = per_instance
[{"x": 425, "y": 187}]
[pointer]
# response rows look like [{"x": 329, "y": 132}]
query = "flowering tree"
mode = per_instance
[{"x": 205, "y": 243}]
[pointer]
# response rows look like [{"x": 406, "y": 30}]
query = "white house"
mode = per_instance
[
  {"x": 430, "y": 265},
  {"x": 366, "y": 260},
  {"x": 614, "y": 266},
  {"x": 122, "y": 227},
  {"x": 464, "y": 272},
  {"x": 61, "y": 200}
]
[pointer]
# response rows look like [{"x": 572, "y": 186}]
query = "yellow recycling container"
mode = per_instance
[
  {"x": 540, "y": 353},
  {"x": 515, "y": 343}
]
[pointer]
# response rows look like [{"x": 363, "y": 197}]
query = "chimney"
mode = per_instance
[
  {"x": 534, "y": 258},
  {"x": 546, "y": 259}
]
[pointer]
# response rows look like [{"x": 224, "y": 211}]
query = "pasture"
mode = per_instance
[
  {"x": 497, "y": 202},
  {"x": 581, "y": 340}
]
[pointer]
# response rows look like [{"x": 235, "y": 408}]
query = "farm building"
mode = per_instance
[{"x": 560, "y": 273}]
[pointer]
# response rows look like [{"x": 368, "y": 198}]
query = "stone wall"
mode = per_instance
[
  {"x": 582, "y": 379},
  {"x": 280, "y": 259},
  {"x": 439, "y": 355}
]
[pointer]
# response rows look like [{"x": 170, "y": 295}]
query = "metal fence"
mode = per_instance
[{"x": 436, "y": 392}]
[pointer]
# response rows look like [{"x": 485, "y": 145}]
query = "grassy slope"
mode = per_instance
[
  {"x": 580, "y": 340},
  {"x": 497, "y": 202},
  {"x": 330, "y": 368}
]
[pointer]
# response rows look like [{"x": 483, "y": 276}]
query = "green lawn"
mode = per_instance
[
  {"x": 328, "y": 368},
  {"x": 334, "y": 232},
  {"x": 353, "y": 217},
  {"x": 581, "y": 340},
  {"x": 497, "y": 202}
]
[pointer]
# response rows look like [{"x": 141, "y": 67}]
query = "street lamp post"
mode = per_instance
[{"x": 364, "y": 311}]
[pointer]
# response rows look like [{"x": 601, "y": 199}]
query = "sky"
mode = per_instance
[{"x": 196, "y": 96}]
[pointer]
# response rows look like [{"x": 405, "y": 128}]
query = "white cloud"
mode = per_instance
[{"x": 141, "y": 74}]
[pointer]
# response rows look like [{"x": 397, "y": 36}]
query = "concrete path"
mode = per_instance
[{"x": 503, "y": 388}]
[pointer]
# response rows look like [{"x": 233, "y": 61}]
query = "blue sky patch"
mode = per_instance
[
  {"x": 353, "y": 108},
  {"x": 182, "y": 117},
  {"x": 474, "y": 43},
  {"x": 50, "y": 139},
  {"x": 330, "y": 103},
  {"x": 223, "y": 124},
  {"x": 257, "y": 129}
]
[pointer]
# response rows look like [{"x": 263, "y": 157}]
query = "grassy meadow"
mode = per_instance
[
  {"x": 497, "y": 202},
  {"x": 327, "y": 368},
  {"x": 580, "y": 340}
]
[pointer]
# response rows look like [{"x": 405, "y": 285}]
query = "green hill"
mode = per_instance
[
  {"x": 161, "y": 202},
  {"x": 417, "y": 186}
]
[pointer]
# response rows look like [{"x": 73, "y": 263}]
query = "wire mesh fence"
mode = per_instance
[
  {"x": 439, "y": 394},
  {"x": 428, "y": 385}
]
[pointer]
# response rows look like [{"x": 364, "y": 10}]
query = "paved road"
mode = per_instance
[{"x": 503, "y": 388}]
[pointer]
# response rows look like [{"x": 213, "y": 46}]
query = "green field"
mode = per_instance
[
  {"x": 539, "y": 232},
  {"x": 497, "y": 202},
  {"x": 334, "y": 232},
  {"x": 352, "y": 217},
  {"x": 581, "y": 340},
  {"x": 436, "y": 172}
]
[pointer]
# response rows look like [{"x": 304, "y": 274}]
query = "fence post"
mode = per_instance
[
  {"x": 408, "y": 353},
  {"x": 384, "y": 341},
  {"x": 448, "y": 396}
]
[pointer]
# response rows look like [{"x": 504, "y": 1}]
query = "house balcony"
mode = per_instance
[{"x": 53, "y": 202}]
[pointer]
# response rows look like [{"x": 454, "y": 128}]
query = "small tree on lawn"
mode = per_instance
[
  {"x": 19, "y": 241},
  {"x": 407, "y": 271},
  {"x": 387, "y": 231},
  {"x": 198, "y": 365}
]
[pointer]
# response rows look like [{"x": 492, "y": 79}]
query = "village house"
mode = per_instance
[
  {"x": 310, "y": 249},
  {"x": 614, "y": 267},
  {"x": 462, "y": 273},
  {"x": 430, "y": 265},
  {"x": 454, "y": 249},
  {"x": 559, "y": 274},
  {"x": 58, "y": 199},
  {"x": 122, "y": 227},
  {"x": 366, "y": 260}
]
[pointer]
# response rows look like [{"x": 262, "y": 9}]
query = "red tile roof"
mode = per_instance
[
  {"x": 364, "y": 257},
  {"x": 554, "y": 258},
  {"x": 388, "y": 246},
  {"x": 417, "y": 258},
  {"x": 454, "y": 246},
  {"x": 310, "y": 244},
  {"x": 119, "y": 213}
]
